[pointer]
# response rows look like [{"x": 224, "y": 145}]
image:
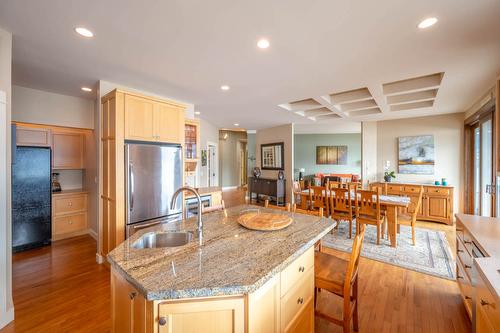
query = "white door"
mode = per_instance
[{"x": 212, "y": 165}]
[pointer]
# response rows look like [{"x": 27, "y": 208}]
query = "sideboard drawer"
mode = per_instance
[
  {"x": 394, "y": 189},
  {"x": 437, "y": 190},
  {"x": 412, "y": 188},
  {"x": 296, "y": 270}
]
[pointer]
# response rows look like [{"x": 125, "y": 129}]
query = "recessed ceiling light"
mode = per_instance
[
  {"x": 236, "y": 124},
  {"x": 86, "y": 89},
  {"x": 263, "y": 43},
  {"x": 197, "y": 112},
  {"x": 428, "y": 22},
  {"x": 84, "y": 32},
  {"x": 224, "y": 87}
]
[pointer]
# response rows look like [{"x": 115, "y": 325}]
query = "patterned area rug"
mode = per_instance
[{"x": 430, "y": 255}]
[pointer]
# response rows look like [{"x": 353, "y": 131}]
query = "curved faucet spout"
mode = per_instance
[{"x": 200, "y": 207}]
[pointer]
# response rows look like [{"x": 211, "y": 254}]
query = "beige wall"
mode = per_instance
[
  {"x": 208, "y": 133},
  {"x": 369, "y": 152},
  {"x": 283, "y": 133},
  {"x": 6, "y": 303},
  {"x": 448, "y": 132},
  {"x": 42, "y": 107},
  {"x": 229, "y": 157}
]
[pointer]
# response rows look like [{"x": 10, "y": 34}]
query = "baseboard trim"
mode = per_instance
[
  {"x": 99, "y": 259},
  {"x": 5, "y": 320},
  {"x": 93, "y": 234}
]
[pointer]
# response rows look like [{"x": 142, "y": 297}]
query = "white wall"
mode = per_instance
[
  {"x": 6, "y": 303},
  {"x": 42, "y": 107},
  {"x": 208, "y": 133},
  {"x": 369, "y": 152},
  {"x": 283, "y": 133},
  {"x": 448, "y": 132}
]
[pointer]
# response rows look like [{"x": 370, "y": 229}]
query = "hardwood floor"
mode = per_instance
[{"x": 60, "y": 288}]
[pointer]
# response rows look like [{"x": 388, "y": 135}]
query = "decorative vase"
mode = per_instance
[
  {"x": 281, "y": 175},
  {"x": 387, "y": 178}
]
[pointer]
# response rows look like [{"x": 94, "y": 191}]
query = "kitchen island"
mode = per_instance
[{"x": 238, "y": 280}]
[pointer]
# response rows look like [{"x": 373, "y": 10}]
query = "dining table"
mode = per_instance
[{"x": 389, "y": 203}]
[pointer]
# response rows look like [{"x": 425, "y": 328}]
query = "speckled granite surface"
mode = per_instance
[{"x": 232, "y": 260}]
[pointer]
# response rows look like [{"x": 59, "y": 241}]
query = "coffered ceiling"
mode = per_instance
[{"x": 329, "y": 62}]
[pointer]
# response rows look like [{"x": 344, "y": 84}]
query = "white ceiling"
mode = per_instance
[{"x": 188, "y": 49}]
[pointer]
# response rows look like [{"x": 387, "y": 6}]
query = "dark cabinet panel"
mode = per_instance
[{"x": 274, "y": 188}]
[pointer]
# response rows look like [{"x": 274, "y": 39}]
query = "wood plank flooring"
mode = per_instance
[{"x": 60, "y": 288}]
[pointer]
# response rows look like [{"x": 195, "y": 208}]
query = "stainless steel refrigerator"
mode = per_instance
[{"x": 153, "y": 173}]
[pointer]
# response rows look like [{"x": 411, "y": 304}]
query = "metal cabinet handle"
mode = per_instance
[
  {"x": 459, "y": 277},
  {"x": 132, "y": 295},
  {"x": 70, "y": 222},
  {"x": 467, "y": 266},
  {"x": 162, "y": 321},
  {"x": 467, "y": 242},
  {"x": 460, "y": 251},
  {"x": 483, "y": 302},
  {"x": 301, "y": 269},
  {"x": 70, "y": 203},
  {"x": 300, "y": 300},
  {"x": 467, "y": 297},
  {"x": 131, "y": 180}
]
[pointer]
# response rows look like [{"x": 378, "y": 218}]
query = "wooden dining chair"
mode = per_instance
[
  {"x": 340, "y": 277},
  {"x": 409, "y": 217},
  {"x": 214, "y": 208},
  {"x": 341, "y": 206},
  {"x": 318, "y": 199},
  {"x": 333, "y": 184},
  {"x": 354, "y": 186},
  {"x": 368, "y": 211},
  {"x": 286, "y": 207},
  {"x": 381, "y": 187}
]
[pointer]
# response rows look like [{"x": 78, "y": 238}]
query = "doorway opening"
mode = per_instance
[{"x": 212, "y": 164}]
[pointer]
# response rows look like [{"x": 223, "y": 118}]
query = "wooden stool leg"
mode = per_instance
[
  {"x": 347, "y": 314},
  {"x": 355, "y": 324},
  {"x": 413, "y": 233},
  {"x": 350, "y": 228},
  {"x": 315, "y": 296},
  {"x": 378, "y": 234}
]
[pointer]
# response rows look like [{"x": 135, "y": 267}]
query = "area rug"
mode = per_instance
[{"x": 430, "y": 255}]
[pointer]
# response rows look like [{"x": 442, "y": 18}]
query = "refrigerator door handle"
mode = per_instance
[{"x": 131, "y": 185}]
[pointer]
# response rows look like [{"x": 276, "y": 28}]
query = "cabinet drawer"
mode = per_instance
[
  {"x": 437, "y": 191},
  {"x": 26, "y": 136},
  {"x": 296, "y": 270},
  {"x": 411, "y": 188},
  {"x": 70, "y": 223},
  {"x": 394, "y": 189},
  {"x": 70, "y": 204},
  {"x": 464, "y": 258},
  {"x": 293, "y": 303},
  {"x": 465, "y": 287},
  {"x": 304, "y": 322},
  {"x": 489, "y": 304}
]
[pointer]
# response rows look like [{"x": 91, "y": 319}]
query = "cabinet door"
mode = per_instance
[
  {"x": 304, "y": 322},
  {"x": 26, "y": 136},
  {"x": 438, "y": 207},
  {"x": 139, "y": 119},
  {"x": 207, "y": 316},
  {"x": 264, "y": 307},
  {"x": 67, "y": 150},
  {"x": 169, "y": 123}
]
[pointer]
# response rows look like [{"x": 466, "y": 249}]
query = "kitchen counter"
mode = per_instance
[
  {"x": 232, "y": 260},
  {"x": 203, "y": 191}
]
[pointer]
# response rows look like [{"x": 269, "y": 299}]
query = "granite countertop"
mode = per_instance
[
  {"x": 203, "y": 191},
  {"x": 232, "y": 260},
  {"x": 485, "y": 232}
]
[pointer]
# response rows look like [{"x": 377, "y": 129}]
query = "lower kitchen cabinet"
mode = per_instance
[
  {"x": 69, "y": 214},
  {"x": 283, "y": 304}
]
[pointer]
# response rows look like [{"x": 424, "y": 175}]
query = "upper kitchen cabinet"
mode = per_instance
[
  {"x": 29, "y": 136},
  {"x": 68, "y": 150},
  {"x": 192, "y": 139},
  {"x": 148, "y": 119}
]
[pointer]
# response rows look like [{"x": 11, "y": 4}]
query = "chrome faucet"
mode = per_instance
[{"x": 200, "y": 207}]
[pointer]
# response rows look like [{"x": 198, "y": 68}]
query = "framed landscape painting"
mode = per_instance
[{"x": 416, "y": 155}]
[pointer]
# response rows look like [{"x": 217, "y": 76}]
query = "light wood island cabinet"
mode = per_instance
[{"x": 283, "y": 304}]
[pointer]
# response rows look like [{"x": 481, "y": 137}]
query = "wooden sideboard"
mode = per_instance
[
  {"x": 478, "y": 262},
  {"x": 266, "y": 186},
  {"x": 437, "y": 200}
]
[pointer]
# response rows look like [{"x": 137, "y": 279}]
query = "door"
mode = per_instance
[
  {"x": 212, "y": 165},
  {"x": 153, "y": 174},
  {"x": 483, "y": 180}
]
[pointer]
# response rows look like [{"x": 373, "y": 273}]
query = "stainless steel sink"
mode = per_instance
[{"x": 162, "y": 239}]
